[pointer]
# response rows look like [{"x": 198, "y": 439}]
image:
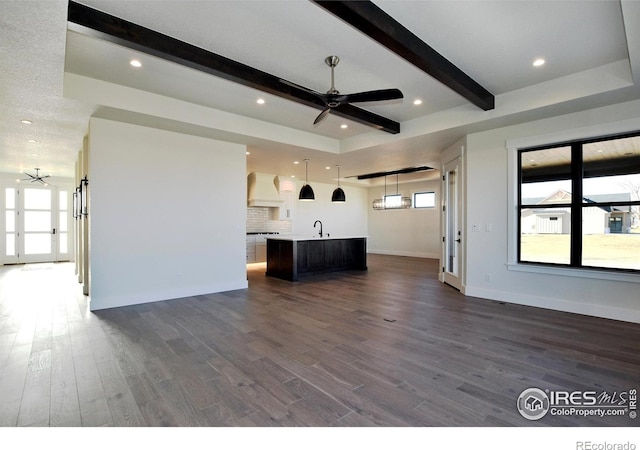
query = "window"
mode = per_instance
[
  {"x": 63, "y": 222},
  {"x": 424, "y": 200},
  {"x": 579, "y": 204},
  {"x": 10, "y": 222}
]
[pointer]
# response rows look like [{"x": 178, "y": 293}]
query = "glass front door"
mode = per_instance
[
  {"x": 452, "y": 199},
  {"x": 36, "y": 224}
]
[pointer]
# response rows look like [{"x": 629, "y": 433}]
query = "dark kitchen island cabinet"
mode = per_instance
[{"x": 290, "y": 258}]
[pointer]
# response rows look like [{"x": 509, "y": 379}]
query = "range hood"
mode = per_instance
[{"x": 262, "y": 190}]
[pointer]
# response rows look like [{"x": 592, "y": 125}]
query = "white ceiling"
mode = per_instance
[{"x": 57, "y": 76}]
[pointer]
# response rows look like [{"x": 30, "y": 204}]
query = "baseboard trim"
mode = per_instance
[
  {"x": 411, "y": 254},
  {"x": 99, "y": 303},
  {"x": 557, "y": 304}
]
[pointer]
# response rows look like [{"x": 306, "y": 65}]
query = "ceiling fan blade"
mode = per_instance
[
  {"x": 323, "y": 115},
  {"x": 374, "y": 96}
]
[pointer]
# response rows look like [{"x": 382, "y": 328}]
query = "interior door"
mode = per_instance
[{"x": 452, "y": 224}]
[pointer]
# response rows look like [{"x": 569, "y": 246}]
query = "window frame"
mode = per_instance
[
  {"x": 576, "y": 205},
  {"x": 415, "y": 202}
]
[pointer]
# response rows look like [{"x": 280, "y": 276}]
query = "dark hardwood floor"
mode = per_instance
[{"x": 387, "y": 347}]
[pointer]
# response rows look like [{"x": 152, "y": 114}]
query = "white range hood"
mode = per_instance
[{"x": 262, "y": 190}]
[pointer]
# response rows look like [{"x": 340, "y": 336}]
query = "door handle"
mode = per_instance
[{"x": 53, "y": 231}]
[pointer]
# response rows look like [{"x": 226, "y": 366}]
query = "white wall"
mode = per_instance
[
  {"x": 405, "y": 232},
  {"x": 489, "y": 252},
  {"x": 338, "y": 219},
  {"x": 168, "y": 214}
]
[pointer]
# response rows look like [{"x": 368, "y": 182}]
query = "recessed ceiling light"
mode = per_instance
[
  {"x": 35, "y": 154},
  {"x": 327, "y": 167},
  {"x": 538, "y": 62},
  {"x": 33, "y": 141},
  {"x": 26, "y": 121},
  {"x": 344, "y": 126},
  {"x": 417, "y": 102},
  {"x": 135, "y": 63},
  {"x": 260, "y": 101},
  {"x": 296, "y": 162},
  {"x": 248, "y": 153}
]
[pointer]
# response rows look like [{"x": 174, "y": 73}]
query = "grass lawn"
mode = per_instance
[{"x": 598, "y": 250}]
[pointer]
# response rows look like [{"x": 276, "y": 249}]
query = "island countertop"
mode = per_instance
[{"x": 296, "y": 238}]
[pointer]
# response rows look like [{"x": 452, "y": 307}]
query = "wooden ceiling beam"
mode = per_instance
[
  {"x": 381, "y": 27},
  {"x": 92, "y": 22},
  {"x": 393, "y": 172}
]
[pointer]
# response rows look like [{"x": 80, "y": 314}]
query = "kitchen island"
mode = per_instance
[{"x": 292, "y": 257}]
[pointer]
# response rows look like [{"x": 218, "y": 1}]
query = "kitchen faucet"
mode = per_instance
[{"x": 314, "y": 225}]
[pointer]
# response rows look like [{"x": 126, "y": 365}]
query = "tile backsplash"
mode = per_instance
[{"x": 259, "y": 219}]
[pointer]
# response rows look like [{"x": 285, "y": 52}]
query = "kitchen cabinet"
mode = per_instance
[
  {"x": 261, "y": 249},
  {"x": 290, "y": 258},
  {"x": 251, "y": 249},
  {"x": 256, "y": 248},
  {"x": 287, "y": 210}
]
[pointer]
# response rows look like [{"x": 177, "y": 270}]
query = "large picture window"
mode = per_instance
[{"x": 579, "y": 204}]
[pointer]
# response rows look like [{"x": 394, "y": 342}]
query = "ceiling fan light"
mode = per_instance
[
  {"x": 338, "y": 195},
  {"x": 306, "y": 193}
]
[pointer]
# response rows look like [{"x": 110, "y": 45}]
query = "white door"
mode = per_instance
[
  {"x": 36, "y": 224},
  {"x": 452, "y": 224}
]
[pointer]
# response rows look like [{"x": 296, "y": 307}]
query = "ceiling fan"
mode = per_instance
[
  {"x": 36, "y": 177},
  {"x": 333, "y": 98}
]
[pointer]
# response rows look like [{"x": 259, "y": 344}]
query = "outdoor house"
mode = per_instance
[{"x": 596, "y": 219}]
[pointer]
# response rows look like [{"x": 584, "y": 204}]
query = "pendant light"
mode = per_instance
[
  {"x": 338, "y": 193},
  {"x": 379, "y": 203},
  {"x": 396, "y": 202},
  {"x": 306, "y": 193}
]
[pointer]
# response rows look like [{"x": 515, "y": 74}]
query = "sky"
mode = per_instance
[{"x": 591, "y": 186}]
